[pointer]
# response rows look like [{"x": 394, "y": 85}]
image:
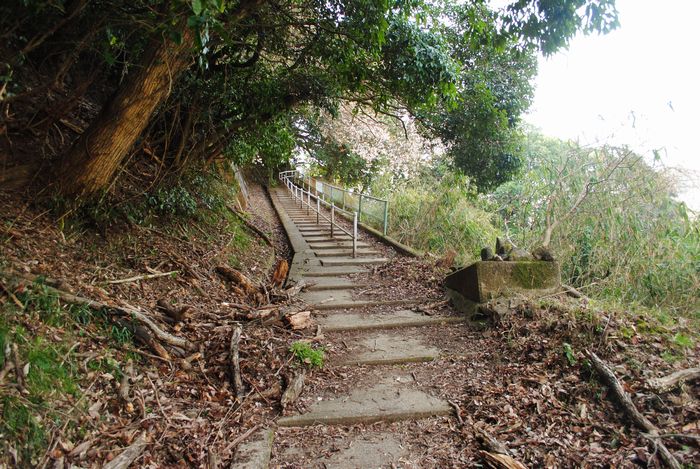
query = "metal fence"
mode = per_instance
[
  {"x": 304, "y": 198},
  {"x": 371, "y": 210}
]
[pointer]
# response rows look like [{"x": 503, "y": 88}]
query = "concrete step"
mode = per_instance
[
  {"x": 331, "y": 283},
  {"x": 392, "y": 399},
  {"x": 336, "y": 244},
  {"x": 333, "y": 261},
  {"x": 334, "y": 322},
  {"x": 385, "y": 348},
  {"x": 321, "y": 271},
  {"x": 345, "y": 252},
  {"x": 361, "y": 450},
  {"x": 343, "y": 299}
]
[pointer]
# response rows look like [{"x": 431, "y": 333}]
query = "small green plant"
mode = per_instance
[
  {"x": 682, "y": 340},
  {"x": 306, "y": 354},
  {"x": 569, "y": 354}
]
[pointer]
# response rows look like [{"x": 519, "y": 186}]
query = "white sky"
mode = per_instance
[{"x": 638, "y": 85}]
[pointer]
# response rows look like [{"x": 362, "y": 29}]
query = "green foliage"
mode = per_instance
[
  {"x": 626, "y": 239},
  {"x": 683, "y": 341},
  {"x": 308, "y": 355},
  {"x": 174, "y": 201},
  {"x": 569, "y": 354},
  {"x": 438, "y": 214}
]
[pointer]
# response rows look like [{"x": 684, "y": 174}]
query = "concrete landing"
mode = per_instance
[
  {"x": 380, "y": 320},
  {"x": 254, "y": 453},
  {"x": 386, "y": 349},
  {"x": 391, "y": 400}
]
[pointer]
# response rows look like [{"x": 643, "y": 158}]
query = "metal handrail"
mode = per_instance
[
  {"x": 298, "y": 193},
  {"x": 328, "y": 190}
]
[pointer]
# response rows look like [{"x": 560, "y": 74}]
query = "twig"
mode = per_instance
[
  {"x": 458, "y": 411},
  {"x": 143, "y": 277},
  {"x": 235, "y": 361},
  {"x": 630, "y": 410},
  {"x": 12, "y": 296},
  {"x": 238, "y": 439}
]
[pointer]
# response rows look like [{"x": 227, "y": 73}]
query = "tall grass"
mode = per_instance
[{"x": 437, "y": 215}]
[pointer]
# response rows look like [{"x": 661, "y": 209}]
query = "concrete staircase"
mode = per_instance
[{"x": 380, "y": 334}]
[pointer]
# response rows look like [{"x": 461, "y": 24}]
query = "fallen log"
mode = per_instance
[
  {"x": 293, "y": 391},
  {"x": 235, "y": 362},
  {"x": 651, "y": 432},
  {"x": 668, "y": 383},
  {"x": 298, "y": 321}
]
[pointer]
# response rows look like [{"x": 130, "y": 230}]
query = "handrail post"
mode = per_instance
[
  {"x": 354, "y": 236},
  {"x": 360, "y": 207},
  {"x": 308, "y": 207},
  {"x": 318, "y": 210},
  {"x": 332, "y": 216},
  {"x": 386, "y": 216}
]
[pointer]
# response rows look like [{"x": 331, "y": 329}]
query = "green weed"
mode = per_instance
[
  {"x": 569, "y": 354},
  {"x": 306, "y": 354}
]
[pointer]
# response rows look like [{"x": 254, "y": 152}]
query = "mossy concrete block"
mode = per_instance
[{"x": 485, "y": 280}]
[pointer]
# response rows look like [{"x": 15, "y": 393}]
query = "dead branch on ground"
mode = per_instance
[
  {"x": 235, "y": 361},
  {"x": 293, "y": 391},
  {"x": 668, "y": 383},
  {"x": 129, "y": 455},
  {"x": 494, "y": 453},
  {"x": 630, "y": 410}
]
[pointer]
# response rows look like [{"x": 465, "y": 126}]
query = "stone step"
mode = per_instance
[
  {"x": 331, "y": 283},
  {"x": 345, "y": 252},
  {"x": 315, "y": 239},
  {"x": 336, "y": 322},
  {"x": 392, "y": 399},
  {"x": 343, "y": 299},
  {"x": 333, "y": 244},
  {"x": 333, "y": 261},
  {"x": 321, "y": 271},
  {"x": 385, "y": 348},
  {"x": 368, "y": 449}
]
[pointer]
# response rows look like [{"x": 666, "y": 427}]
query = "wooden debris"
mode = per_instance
[
  {"x": 572, "y": 292},
  {"x": 241, "y": 284},
  {"x": 500, "y": 461},
  {"x": 293, "y": 391},
  {"x": 143, "y": 277},
  {"x": 127, "y": 311},
  {"x": 124, "y": 386},
  {"x": 447, "y": 261},
  {"x": 296, "y": 289},
  {"x": 129, "y": 455},
  {"x": 630, "y": 410},
  {"x": 8, "y": 362},
  {"x": 235, "y": 362},
  {"x": 298, "y": 321},
  {"x": 668, "y": 383},
  {"x": 19, "y": 373},
  {"x": 177, "y": 313},
  {"x": 280, "y": 273},
  {"x": 494, "y": 453}
]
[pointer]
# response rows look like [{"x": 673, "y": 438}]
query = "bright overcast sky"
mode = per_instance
[{"x": 638, "y": 85}]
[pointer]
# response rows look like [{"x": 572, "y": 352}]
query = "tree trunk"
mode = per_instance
[{"x": 91, "y": 163}]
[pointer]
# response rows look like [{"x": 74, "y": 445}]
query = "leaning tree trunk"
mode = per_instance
[{"x": 91, "y": 163}]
